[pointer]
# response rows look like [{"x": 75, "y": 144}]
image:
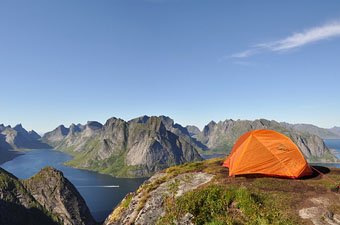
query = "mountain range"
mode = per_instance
[
  {"x": 17, "y": 138},
  {"x": 145, "y": 145},
  {"x": 135, "y": 148}
]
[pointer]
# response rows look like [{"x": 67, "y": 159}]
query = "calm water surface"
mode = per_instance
[
  {"x": 334, "y": 144},
  {"x": 99, "y": 191}
]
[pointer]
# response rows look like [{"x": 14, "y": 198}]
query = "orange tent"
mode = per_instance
[{"x": 266, "y": 152}]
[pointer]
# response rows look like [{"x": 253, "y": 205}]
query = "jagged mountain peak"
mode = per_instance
[
  {"x": 141, "y": 119},
  {"x": 138, "y": 147},
  {"x": 113, "y": 120},
  {"x": 94, "y": 125},
  {"x": 20, "y": 128},
  {"x": 34, "y": 134},
  {"x": 62, "y": 129},
  {"x": 167, "y": 121},
  {"x": 19, "y": 138},
  {"x": 193, "y": 130}
]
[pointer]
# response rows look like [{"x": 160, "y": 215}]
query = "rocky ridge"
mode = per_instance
[
  {"x": 17, "y": 206},
  {"x": 46, "y": 198},
  {"x": 58, "y": 195},
  {"x": 145, "y": 145},
  {"x": 136, "y": 148},
  {"x": 142, "y": 210}
]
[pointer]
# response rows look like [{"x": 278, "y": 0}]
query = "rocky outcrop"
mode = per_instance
[
  {"x": 221, "y": 136},
  {"x": 58, "y": 195},
  {"x": 17, "y": 206},
  {"x": 46, "y": 198},
  {"x": 137, "y": 148},
  {"x": 203, "y": 193},
  {"x": 319, "y": 213},
  {"x": 146, "y": 207}
]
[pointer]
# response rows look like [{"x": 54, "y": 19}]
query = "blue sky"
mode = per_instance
[{"x": 64, "y": 62}]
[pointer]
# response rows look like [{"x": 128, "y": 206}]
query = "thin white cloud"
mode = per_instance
[
  {"x": 296, "y": 40},
  {"x": 244, "y": 54}
]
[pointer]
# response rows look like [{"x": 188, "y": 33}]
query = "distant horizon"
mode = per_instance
[
  {"x": 64, "y": 62},
  {"x": 183, "y": 124}
]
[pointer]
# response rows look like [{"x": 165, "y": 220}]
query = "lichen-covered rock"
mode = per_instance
[
  {"x": 146, "y": 206},
  {"x": 319, "y": 214}
]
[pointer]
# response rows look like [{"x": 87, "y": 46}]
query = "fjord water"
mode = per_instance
[
  {"x": 101, "y": 192},
  {"x": 334, "y": 144}
]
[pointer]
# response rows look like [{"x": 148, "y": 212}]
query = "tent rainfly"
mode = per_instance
[{"x": 266, "y": 152}]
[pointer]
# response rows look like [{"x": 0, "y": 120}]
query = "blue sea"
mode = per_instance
[{"x": 101, "y": 192}]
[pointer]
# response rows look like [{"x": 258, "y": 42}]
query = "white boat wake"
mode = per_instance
[{"x": 99, "y": 186}]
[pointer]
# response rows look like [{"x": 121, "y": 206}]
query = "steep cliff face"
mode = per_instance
[
  {"x": 55, "y": 137},
  {"x": 136, "y": 148},
  {"x": 153, "y": 147},
  {"x": 56, "y": 194},
  {"x": 221, "y": 136},
  {"x": 46, "y": 198},
  {"x": 17, "y": 206}
]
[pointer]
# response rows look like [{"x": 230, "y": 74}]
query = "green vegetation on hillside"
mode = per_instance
[
  {"x": 217, "y": 204},
  {"x": 237, "y": 200},
  {"x": 114, "y": 165},
  {"x": 18, "y": 206}
]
